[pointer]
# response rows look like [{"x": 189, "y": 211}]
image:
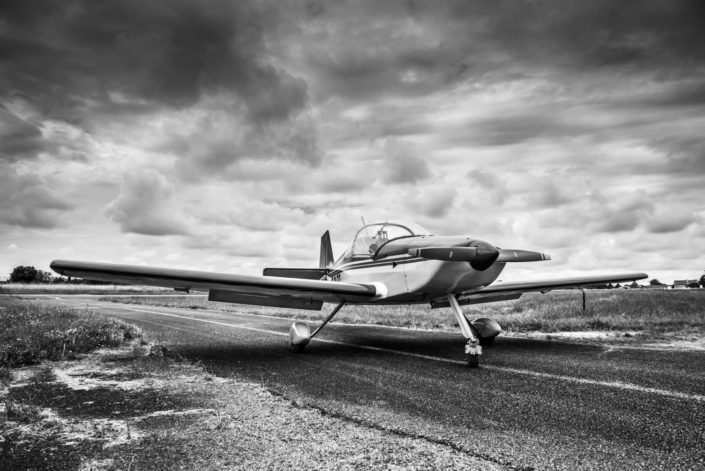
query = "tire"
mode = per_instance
[
  {"x": 473, "y": 360},
  {"x": 298, "y": 348},
  {"x": 487, "y": 341}
]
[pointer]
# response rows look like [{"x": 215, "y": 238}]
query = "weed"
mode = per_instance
[
  {"x": 20, "y": 412},
  {"x": 5, "y": 376},
  {"x": 30, "y": 333}
]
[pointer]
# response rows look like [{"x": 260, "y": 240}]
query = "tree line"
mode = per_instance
[{"x": 29, "y": 274}]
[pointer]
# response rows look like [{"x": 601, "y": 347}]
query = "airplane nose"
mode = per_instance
[{"x": 486, "y": 255}]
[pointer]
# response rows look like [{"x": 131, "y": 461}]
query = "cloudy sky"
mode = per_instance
[{"x": 228, "y": 135}]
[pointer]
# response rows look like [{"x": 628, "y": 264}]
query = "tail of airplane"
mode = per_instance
[
  {"x": 326, "y": 258},
  {"x": 326, "y": 261}
]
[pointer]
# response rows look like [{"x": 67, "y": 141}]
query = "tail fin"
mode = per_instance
[{"x": 326, "y": 258}]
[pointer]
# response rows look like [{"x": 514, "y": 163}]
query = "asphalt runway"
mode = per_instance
[{"x": 532, "y": 403}]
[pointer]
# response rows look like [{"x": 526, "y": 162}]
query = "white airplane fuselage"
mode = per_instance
[{"x": 409, "y": 279}]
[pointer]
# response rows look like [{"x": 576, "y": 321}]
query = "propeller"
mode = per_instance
[
  {"x": 511, "y": 255},
  {"x": 479, "y": 254}
]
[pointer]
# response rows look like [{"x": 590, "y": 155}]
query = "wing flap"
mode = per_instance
[
  {"x": 267, "y": 286},
  {"x": 225, "y": 296},
  {"x": 547, "y": 285}
]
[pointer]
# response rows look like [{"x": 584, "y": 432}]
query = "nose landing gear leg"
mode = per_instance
[
  {"x": 300, "y": 335},
  {"x": 473, "y": 350}
]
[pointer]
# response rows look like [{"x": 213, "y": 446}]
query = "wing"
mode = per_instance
[
  {"x": 260, "y": 290},
  {"x": 547, "y": 285}
]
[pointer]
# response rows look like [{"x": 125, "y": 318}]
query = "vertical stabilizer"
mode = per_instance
[{"x": 326, "y": 259}]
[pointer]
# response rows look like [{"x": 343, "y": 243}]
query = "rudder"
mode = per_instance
[{"x": 326, "y": 258}]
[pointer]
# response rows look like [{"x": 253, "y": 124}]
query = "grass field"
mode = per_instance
[
  {"x": 31, "y": 332},
  {"x": 650, "y": 312},
  {"x": 59, "y": 288}
]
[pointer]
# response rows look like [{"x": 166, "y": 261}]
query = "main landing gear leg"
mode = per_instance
[
  {"x": 300, "y": 335},
  {"x": 473, "y": 350}
]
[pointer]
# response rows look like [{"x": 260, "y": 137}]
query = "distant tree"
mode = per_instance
[
  {"x": 702, "y": 281},
  {"x": 23, "y": 274},
  {"x": 634, "y": 284},
  {"x": 26, "y": 274},
  {"x": 44, "y": 277},
  {"x": 655, "y": 282}
]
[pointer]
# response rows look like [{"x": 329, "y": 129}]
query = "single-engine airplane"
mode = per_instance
[{"x": 393, "y": 262}]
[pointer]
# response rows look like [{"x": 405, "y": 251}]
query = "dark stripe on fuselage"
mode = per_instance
[{"x": 375, "y": 263}]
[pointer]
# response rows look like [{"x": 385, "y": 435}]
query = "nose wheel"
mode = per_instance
[
  {"x": 300, "y": 335},
  {"x": 473, "y": 350},
  {"x": 472, "y": 354}
]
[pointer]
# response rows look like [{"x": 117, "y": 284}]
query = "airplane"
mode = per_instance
[{"x": 390, "y": 262}]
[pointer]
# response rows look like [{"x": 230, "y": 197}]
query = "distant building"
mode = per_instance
[{"x": 682, "y": 284}]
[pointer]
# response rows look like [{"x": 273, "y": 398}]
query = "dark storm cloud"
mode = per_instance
[
  {"x": 166, "y": 52},
  {"x": 18, "y": 138},
  {"x": 687, "y": 94},
  {"x": 439, "y": 43},
  {"x": 78, "y": 59}
]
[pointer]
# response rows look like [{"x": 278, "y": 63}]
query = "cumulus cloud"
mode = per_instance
[
  {"x": 434, "y": 202},
  {"x": 242, "y": 212},
  {"x": 144, "y": 205},
  {"x": 30, "y": 201},
  {"x": 670, "y": 218},
  {"x": 18, "y": 138},
  {"x": 404, "y": 162}
]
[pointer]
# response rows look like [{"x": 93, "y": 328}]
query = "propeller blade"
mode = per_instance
[
  {"x": 510, "y": 255},
  {"x": 451, "y": 254}
]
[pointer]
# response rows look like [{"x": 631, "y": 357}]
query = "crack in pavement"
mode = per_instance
[{"x": 400, "y": 432}]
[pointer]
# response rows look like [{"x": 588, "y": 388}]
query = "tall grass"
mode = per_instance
[
  {"x": 652, "y": 312},
  {"x": 30, "y": 332},
  {"x": 60, "y": 288}
]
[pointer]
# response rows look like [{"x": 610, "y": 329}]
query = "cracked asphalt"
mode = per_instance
[{"x": 531, "y": 404}]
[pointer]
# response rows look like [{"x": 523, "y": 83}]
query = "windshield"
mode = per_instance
[{"x": 372, "y": 236}]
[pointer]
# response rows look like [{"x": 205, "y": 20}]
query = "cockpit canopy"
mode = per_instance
[{"x": 372, "y": 236}]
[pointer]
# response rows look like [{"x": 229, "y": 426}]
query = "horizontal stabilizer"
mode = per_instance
[{"x": 511, "y": 255}]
